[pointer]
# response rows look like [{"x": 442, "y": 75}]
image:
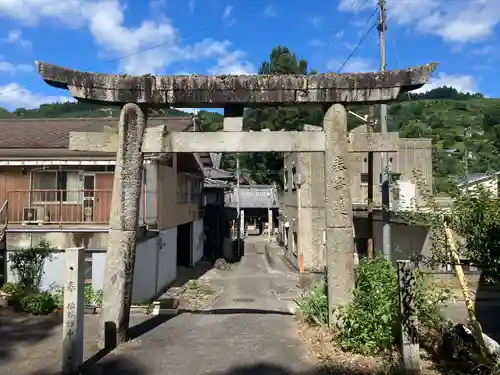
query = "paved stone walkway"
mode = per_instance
[{"x": 248, "y": 331}]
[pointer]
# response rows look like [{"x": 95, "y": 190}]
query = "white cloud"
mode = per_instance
[
  {"x": 463, "y": 83},
  {"x": 8, "y": 67},
  {"x": 106, "y": 24},
  {"x": 270, "y": 12},
  {"x": 191, "y": 5},
  {"x": 454, "y": 21},
  {"x": 354, "y": 65},
  {"x": 484, "y": 51},
  {"x": 157, "y": 39},
  {"x": 14, "y": 96},
  {"x": 157, "y": 5},
  {"x": 231, "y": 63},
  {"x": 15, "y": 37},
  {"x": 316, "y": 21},
  {"x": 30, "y": 12},
  {"x": 228, "y": 10}
]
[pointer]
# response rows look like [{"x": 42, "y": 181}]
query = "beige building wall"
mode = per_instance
[
  {"x": 304, "y": 203},
  {"x": 489, "y": 184},
  {"x": 170, "y": 211}
]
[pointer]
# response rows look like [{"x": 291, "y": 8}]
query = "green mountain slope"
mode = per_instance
[
  {"x": 76, "y": 109},
  {"x": 442, "y": 114}
]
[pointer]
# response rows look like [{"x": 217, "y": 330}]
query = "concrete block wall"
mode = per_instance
[
  {"x": 406, "y": 240},
  {"x": 155, "y": 267},
  {"x": 306, "y": 203},
  {"x": 412, "y": 154}
]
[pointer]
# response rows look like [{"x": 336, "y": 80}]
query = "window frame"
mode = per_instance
[
  {"x": 182, "y": 189},
  {"x": 364, "y": 177},
  {"x": 196, "y": 190},
  {"x": 60, "y": 191}
]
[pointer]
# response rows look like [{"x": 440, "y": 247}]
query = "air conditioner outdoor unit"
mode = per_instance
[
  {"x": 43, "y": 214},
  {"x": 30, "y": 215}
]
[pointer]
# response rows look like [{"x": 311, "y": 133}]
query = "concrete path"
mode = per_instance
[{"x": 248, "y": 331}]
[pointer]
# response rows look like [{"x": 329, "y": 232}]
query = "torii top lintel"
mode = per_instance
[{"x": 218, "y": 91}]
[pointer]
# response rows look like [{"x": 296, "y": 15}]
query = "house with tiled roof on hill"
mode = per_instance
[{"x": 51, "y": 193}]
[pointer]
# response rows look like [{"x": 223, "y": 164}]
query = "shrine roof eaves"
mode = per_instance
[{"x": 203, "y": 91}]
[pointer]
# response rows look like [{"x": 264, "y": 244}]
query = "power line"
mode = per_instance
[
  {"x": 360, "y": 42},
  {"x": 205, "y": 28},
  {"x": 398, "y": 60},
  {"x": 351, "y": 12}
]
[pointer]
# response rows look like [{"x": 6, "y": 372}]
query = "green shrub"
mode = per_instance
[
  {"x": 9, "y": 288},
  {"x": 431, "y": 301},
  {"x": 313, "y": 306},
  {"x": 92, "y": 297},
  {"x": 370, "y": 322},
  {"x": 38, "y": 303},
  {"x": 98, "y": 297},
  {"x": 27, "y": 266},
  {"x": 57, "y": 293}
]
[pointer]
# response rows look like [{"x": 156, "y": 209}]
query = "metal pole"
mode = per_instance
[
  {"x": 371, "y": 129},
  {"x": 386, "y": 214},
  {"x": 466, "y": 159},
  {"x": 238, "y": 214},
  {"x": 269, "y": 217}
]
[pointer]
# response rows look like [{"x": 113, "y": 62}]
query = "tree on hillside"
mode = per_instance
[{"x": 266, "y": 168}]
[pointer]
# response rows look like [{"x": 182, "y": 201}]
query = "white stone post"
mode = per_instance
[
  {"x": 74, "y": 289},
  {"x": 410, "y": 348},
  {"x": 269, "y": 217},
  {"x": 338, "y": 211}
]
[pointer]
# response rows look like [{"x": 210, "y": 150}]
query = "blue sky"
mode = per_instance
[{"x": 235, "y": 36}]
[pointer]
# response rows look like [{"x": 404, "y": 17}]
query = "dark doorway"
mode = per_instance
[{"x": 184, "y": 243}]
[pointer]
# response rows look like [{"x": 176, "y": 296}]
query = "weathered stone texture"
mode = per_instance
[
  {"x": 365, "y": 142},
  {"x": 411, "y": 154},
  {"x": 338, "y": 210},
  {"x": 123, "y": 226},
  {"x": 248, "y": 90},
  {"x": 74, "y": 288}
]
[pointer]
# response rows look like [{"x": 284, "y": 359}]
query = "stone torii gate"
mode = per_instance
[{"x": 233, "y": 93}]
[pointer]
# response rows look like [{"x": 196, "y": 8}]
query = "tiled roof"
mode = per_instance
[
  {"x": 54, "y": 133},
  {"x": 216, "y": 173},
  {"x": 475, "y": 177},
  {"x": 253, "y": 196}
]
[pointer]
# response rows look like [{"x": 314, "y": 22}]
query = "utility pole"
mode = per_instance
[
  {"x": 386, "y": 173},
  {"x": 467, "y": 135},
  {"x": 371, "y": 129},
  {"x": 238, "y": 213}
]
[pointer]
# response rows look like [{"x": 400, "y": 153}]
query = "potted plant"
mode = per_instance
[
  {"x": 93, "y": 299},
  {"x": 89, "y": 304},
  {"x": 5, "y": 293},
  {"x": 57, "y": 293}
]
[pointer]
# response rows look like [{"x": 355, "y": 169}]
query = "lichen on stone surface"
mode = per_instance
[{"x": 249, "y": 90}]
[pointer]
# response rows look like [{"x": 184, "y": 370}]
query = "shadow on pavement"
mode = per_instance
[
  {"x": 236, "y": 311},
  {"x": 156, "y": 321},
  {"x": 184, "y": 274},
  {"x": 19, "y": 329},
  {"x": 147, "y": 325},
  {"x": 126, "y": 366}
]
